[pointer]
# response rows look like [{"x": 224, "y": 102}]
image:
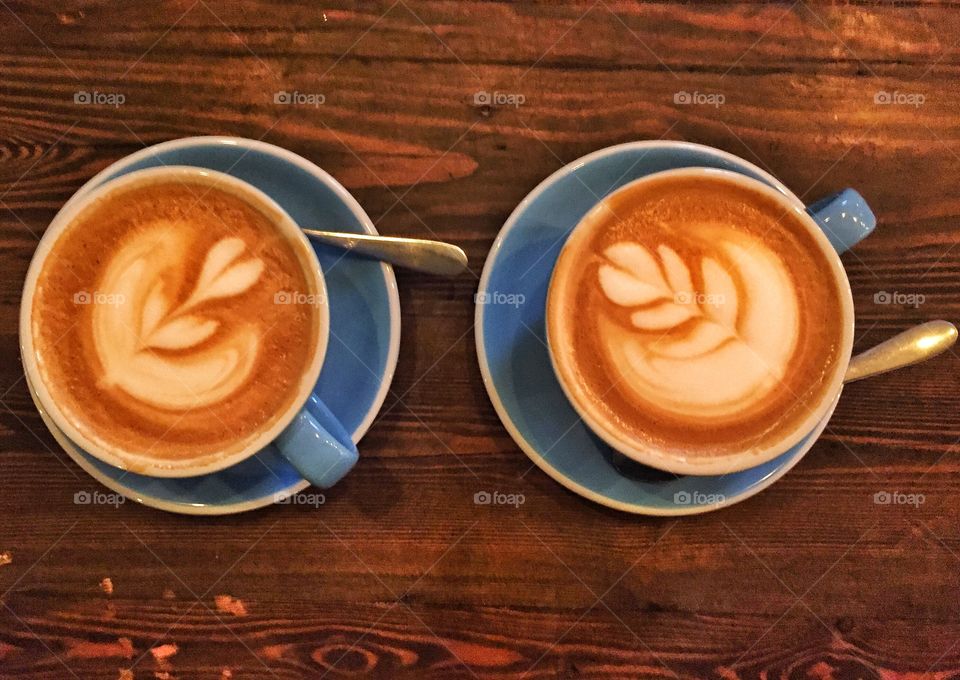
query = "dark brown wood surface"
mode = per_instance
[{"x": 399, "y": 574}]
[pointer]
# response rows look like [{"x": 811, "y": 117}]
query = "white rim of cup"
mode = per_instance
[
  {"x": 136, "y": 462},
  {"x": 743, "y": 460}
]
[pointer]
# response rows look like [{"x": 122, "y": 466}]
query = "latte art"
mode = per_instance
[
  {"x": 157, "y": 327},
  {"x": 739, "y": 330},
  {"x": 692, "y": 316},
  {"x": 127, "y": 335}
]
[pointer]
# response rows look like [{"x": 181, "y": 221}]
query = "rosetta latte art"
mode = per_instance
[
  {"x": 167, "y": 353},
  {"x": 711, "y": 352}
]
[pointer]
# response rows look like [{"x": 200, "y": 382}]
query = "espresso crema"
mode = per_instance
[
  {"x": 693, "y": 315},
  {"x": 174, "y": 320}
]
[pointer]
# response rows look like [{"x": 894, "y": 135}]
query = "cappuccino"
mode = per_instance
[
  {"x": 174, "y": 320},
  {"x": 695, "y": 317}
]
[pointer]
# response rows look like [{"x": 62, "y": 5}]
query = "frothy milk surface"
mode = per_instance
[
  {"x": 173, "y": 320},
  {"x": 696, "y": 316}
]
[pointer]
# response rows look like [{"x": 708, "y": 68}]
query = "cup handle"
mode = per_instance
[
  {"x": 317, "y": 445},
  {"x": 845, "y": 218}
]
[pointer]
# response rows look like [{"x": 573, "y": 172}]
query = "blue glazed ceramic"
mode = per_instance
[
  {"x": 364, "y": 326},
  {"x": 511, "y": 338}
]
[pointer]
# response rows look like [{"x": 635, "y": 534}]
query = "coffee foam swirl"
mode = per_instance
[
  {"x": 167, "y": 354},
  {"x": 708, "y": 351}
]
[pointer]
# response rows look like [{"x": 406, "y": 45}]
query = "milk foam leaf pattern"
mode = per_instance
[
  {"x": 708, "y": 350},
  {"x": 662, "y": 287},
  {"x": 182, "y": 332},
  {"x": 703, "y": 338},
  {"x": 213, "y": 357},
  {"x": 662, "y": 317},
  {"x": 155, "y": 307},
  {"x": 633, "y": 277},
  {"x": 720, "y": 295},
  {"x": 222, "y": 276},
  {"x": 677, "y": 273}
]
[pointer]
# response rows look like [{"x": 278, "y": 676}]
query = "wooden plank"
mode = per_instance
[{"x": 399, "y": 573}]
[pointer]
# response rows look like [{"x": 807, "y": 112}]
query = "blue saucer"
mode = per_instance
[
  {"x": 512, "y": 345},
  {"x": 364, "y": 323}
]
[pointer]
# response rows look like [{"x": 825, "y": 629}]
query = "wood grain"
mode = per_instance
[{"x": 399, "y": 574}]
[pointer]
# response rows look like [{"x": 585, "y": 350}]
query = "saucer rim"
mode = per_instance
[
  {"x": 393, "y": 298},
  {"x": 504, "y": 414}
]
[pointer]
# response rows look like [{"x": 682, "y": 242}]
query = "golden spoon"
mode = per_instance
[{"x": 904, "y": 349}]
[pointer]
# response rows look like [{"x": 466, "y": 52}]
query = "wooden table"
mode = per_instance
[{"x": 400, "y": 574}]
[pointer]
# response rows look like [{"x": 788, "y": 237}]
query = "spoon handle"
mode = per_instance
[
  {"x": 910, "y": 347},
  {"x": 433, "y": 257}
]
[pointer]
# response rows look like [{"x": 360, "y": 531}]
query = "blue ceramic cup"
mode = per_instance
[
  {"x": 312, "y": 440},
  {"x": 834, "y": 224}
]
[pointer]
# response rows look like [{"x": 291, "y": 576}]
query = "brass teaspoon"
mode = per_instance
[
  {"x": 432, "y": 257},
  {"x": 904, "y": 349}
]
